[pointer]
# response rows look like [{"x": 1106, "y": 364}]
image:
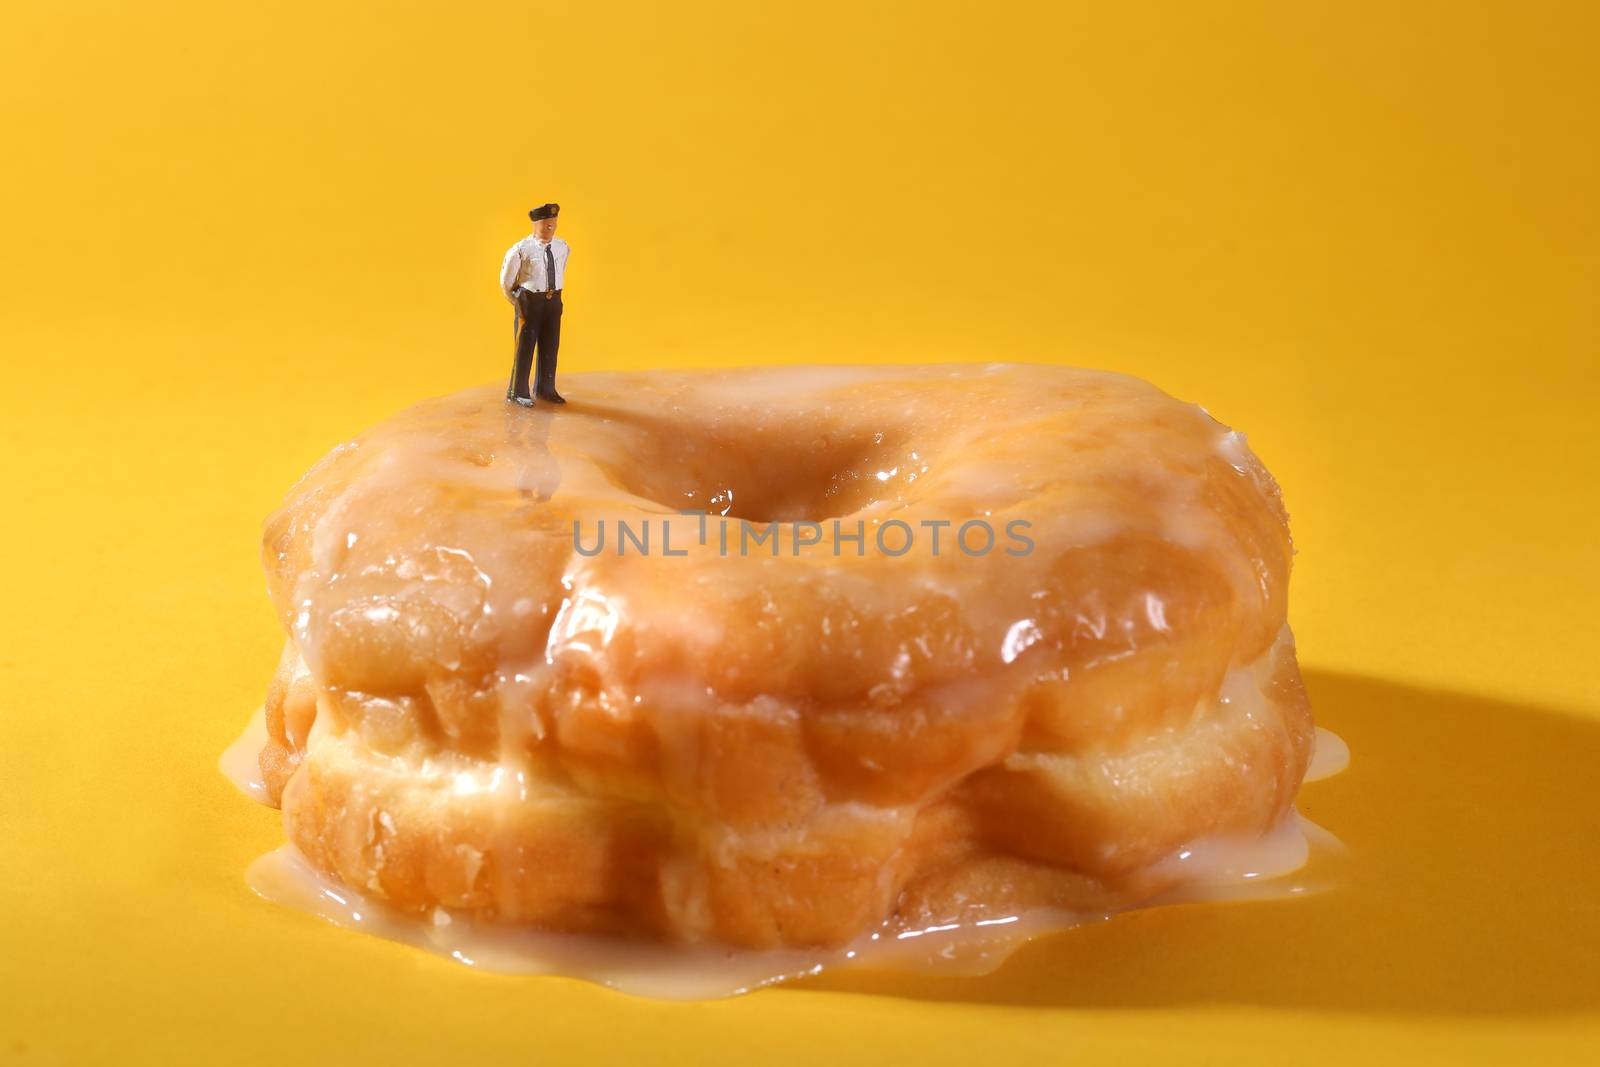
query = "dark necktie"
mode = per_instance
[{"x": 549, "y": 268}]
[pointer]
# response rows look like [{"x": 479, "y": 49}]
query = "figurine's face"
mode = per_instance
[{"x": 544, "y": 229}]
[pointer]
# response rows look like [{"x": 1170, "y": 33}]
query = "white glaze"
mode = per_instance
[
  {"x": 241, "y": 761},
  {"x": 427, "y": 557},
  {"x": 1330, "y": 756},
  {"x": 1215, "y": 870}
]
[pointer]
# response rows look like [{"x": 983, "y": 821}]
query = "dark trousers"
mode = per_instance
[{"x": 539, "y": 319}]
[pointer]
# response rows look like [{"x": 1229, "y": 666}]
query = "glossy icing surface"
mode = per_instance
[{"x": 792, "y": 744}]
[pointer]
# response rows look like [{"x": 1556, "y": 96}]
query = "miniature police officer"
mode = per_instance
[{"x": 531, "y": 278}]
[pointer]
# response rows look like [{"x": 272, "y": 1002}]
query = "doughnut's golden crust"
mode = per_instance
[{"x": 782, "y": 751}]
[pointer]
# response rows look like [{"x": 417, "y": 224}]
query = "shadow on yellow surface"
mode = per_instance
[{"x": 1470, "y": 884}]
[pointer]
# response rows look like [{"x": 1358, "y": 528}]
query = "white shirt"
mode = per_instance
[{"x": 524, "y": 266}]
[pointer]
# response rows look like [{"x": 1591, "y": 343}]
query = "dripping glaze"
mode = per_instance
[{"x": 1294, "y": 858}]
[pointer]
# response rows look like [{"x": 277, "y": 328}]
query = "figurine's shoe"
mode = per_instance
[
  {"x": 553, "y": 396},
  {"x": 522, "y": 401}
]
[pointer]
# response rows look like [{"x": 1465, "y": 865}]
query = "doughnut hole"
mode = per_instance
[{"x": 771, "y": 472}]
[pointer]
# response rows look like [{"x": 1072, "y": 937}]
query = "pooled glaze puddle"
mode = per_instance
[
  {"x": 241, "y": 761},
  {"x": 1330, "y": 756},
  {"x": 1289, "y": 860}
]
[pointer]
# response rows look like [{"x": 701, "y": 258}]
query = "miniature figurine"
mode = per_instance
[{"x": 531, "y": 277}]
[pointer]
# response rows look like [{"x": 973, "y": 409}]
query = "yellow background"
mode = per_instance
[{"x": 1366, "y": 233}]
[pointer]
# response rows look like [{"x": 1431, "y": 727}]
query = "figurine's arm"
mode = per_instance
[{"x": 509, "y": 269}]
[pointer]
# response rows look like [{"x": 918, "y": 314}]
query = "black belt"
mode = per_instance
[{"x": 516, "y": 317}]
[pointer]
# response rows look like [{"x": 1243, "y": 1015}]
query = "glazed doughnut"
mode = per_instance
[{"x": 983, "y": 638}]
